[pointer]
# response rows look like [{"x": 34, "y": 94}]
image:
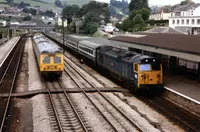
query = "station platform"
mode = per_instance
[
  {"x": 6, "y": 48},
  {"x": 183, "y": 85},
  {"x": 2, "y": 41}
]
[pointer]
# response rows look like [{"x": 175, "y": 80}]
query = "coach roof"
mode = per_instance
[
  {"x": 90, "y": 44},
  {"x": 46, "y": 47}
]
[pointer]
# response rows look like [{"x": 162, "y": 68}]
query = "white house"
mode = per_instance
[
  {"x": 2, "y": 23},
  {"x": 186, "y": 18},
  {"x": 160, "y": 14}
]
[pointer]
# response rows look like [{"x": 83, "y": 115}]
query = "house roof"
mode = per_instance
[
  {"x": 164, "y": 30},
  {"x": 185, "y": 7},
  {"x": 164, "y": 9}
]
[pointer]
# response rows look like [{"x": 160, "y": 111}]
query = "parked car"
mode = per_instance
[{"x": 102, "y": 27}]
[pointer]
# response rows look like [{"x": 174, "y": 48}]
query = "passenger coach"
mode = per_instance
[
  {"x": 49, "y": 57},
  {"x": 88, "y": 49}
]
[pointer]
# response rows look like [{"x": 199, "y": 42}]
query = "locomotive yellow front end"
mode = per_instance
[
  {"x": 149, "y": 76},
  {"x": 51, "y": 63}
]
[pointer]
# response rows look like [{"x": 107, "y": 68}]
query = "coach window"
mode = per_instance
[
  {"x": 57, "y": 59},
  {"x": 46, "y": 60}
]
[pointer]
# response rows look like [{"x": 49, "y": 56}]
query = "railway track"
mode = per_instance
[
  {"x": 115, "y": 117},
  {"x": 64, "y": 112},
  {"x": 186, "y": 120},
  {"x": 7, "y": 81}
]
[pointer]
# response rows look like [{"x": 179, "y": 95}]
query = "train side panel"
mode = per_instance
[{"x": 116, "y": 66}]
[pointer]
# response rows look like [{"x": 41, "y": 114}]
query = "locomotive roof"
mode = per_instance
[
  {"x": 45, "y": 47},
  {"x": 126, "y": 55},
  {"x": 90, "y": 44}
]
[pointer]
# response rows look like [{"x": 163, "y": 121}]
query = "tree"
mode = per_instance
[
  {"x": 122, "y": 5},
  {"x": 27, "y": 18},
  {"x": 184, "y": 2},
  {"x": 91, "y": 27},
  {"x": 31, "y": 11},
  {"x": 138, "y": 22},
  {"x": 98, "y": 8},
  {"x": 145, "y": 14},
  {"x": 93, "y": 19},
  {"x": 126, "y": 24},
  {"x": 58, "y": 3},
  {"x": 50, "y": 13},
  {"x": 70, "y": 12},
  {"x": 118, "y": 25},
  {"x": 138, "y": 4},
  {"x": 23, "y": 4}
]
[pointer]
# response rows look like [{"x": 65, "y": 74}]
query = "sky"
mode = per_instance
[{"x": 159, "y": 2}]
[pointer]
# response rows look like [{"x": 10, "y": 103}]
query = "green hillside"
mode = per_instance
[
  {"x": 77, "y": 2},
  {"x": 2, "y": 1},
  {"x": 51, "y": 3}
]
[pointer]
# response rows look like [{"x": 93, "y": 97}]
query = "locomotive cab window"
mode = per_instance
[
  {"x": 57, "y": 59},
  {"x": 46, "y": 60},
  {"x": 145, "y": 67}
]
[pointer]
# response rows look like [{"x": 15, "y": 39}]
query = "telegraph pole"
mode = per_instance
[
  {"x": 63, "y": 34},
  {"x": 64, "y": 24}
]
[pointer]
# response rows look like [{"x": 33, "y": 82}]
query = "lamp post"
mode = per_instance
[{"x": 64, "y": 24}]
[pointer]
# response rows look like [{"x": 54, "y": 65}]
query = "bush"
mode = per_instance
[
  {"x": 27, "y": 18},
  {"x": 130, "y": 30},
  {"x": 91, "y": 27}
]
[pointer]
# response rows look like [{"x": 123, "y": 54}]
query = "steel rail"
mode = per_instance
[
  {"x": 121, "y": 112},
  {"x": 74, "y": 109},
  {"x": 115, "y": 129},
  {"x": 54, "y": 109},
  {"x": 153, "y": 102},
  {"x": 13, "y": 81}
]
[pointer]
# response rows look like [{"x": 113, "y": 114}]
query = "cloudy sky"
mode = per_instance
[{"x": 160, "y": 2}]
